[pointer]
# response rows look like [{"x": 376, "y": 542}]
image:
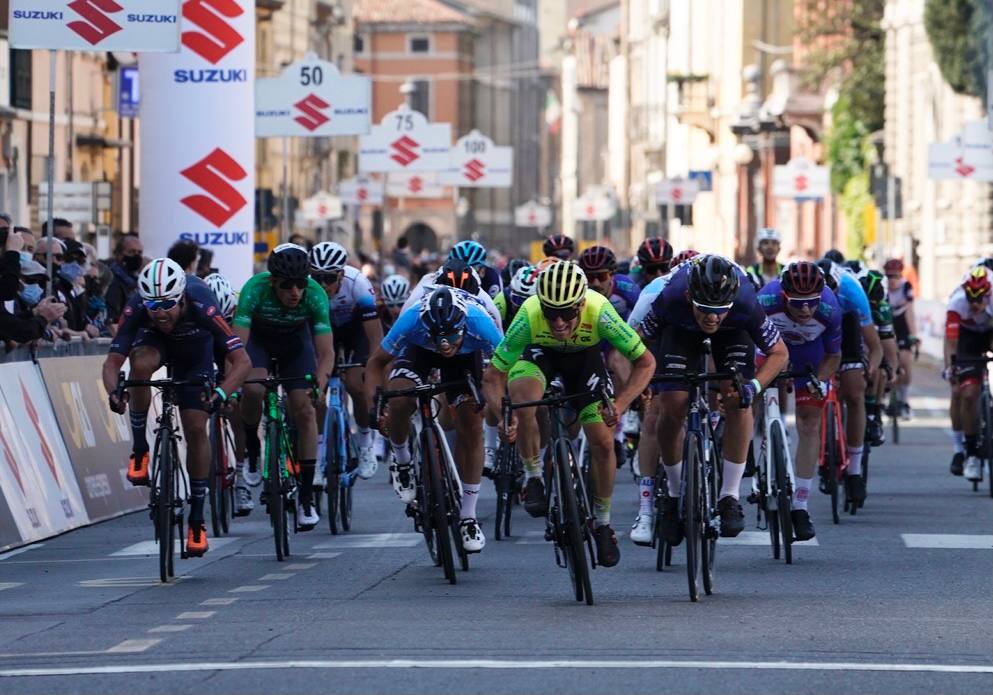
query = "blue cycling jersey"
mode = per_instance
[
  {"x": 624, "y": 295},
  {"x": 480, "y": 332},
  {"x": 648, "y": 294},
  {"x": 853, "y": 299}
]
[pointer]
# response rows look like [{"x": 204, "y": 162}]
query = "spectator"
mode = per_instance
[
  {"x": 29, "y": 239},
  {"x": 68, "y": 267},
  {"x": 28, "y": 317},
  {"x": 185, "y": 253},
  {"x": 401, "y": 257},
  {"x": 124, "y": 269},
  {"x": 41, "y": 252},
  {"x": 301, "y": 240},
  {"x": 63, "y": 229},
  {"x": 10, "y": 262},
  {"x": 95, "y": 283}
]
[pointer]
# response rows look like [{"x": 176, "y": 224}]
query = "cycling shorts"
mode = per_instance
[
  {"x": 802, "y": 358},
  {"x": 680, "y": 352},
  {"x": 190, "y": 359},
  {"x": 351, "y": 342},
  {"x": 852, "y": 349},
  {"x": 294, "y": 354},
  {"x": 972, "y": 345},
  {"x": 581, "y": 372},
  {"x": 902, "y": 330},
  {"x": 416, "y": 364}
]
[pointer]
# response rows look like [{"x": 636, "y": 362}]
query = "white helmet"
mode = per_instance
[
  {"x": 327, "y": 256},
  {"x": 225, "y": 294},
  {"x": 769, "y": 234},
  {"x": 525, "y": 282},
  {"x": 396, "y": 290},
  {"x": 161, "y": 279}
]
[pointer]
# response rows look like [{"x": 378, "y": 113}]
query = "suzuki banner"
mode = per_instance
[
  {"x": 198, "y": 137},
  {"x": 477, "y": 163},
  {"x": 414, "y": 185},
  {"x": 361, "y": 190},
  {"x": 311, "y": 99},
  {"x": 405, "y": 141},
  {"x": 95, "y": 25}
]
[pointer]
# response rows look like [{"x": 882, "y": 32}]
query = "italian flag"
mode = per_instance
[{"x": 553, "y": 113}]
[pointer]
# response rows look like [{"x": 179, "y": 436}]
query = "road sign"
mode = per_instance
[
  {"x": 477, "y": 163},
  {"x": 361, "y": 190},
  {"x": 414, "y": 185},
  {"x": 128, "y": 92},
  {"x": 968, "y": 157},
  {"x": 320, "y": 208},
  {"x": 405, "y": 141},
  {"x": 532, "y": 214},
  {"x": 593, "y": 207},
  {"x": 107, "y": 25},
  {"x": 801, "y": 179},
  {"x": 676, "y": 191},
  {"x": 80, "y": 203},
  {"x": 311, "y": 99},
  {"x": 704, "y": 177}
]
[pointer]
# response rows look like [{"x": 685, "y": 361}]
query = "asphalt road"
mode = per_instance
[{"x": 881, "y": 603}]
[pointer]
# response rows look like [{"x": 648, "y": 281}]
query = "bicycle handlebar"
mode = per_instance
[{"x": 552, "y": 400}]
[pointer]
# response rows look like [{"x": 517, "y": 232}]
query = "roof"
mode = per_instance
[{"x": 406, "y": 11}]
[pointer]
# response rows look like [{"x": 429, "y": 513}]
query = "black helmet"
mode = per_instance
[
  {"x": 459, "y": 274},
  {"x": 510, "y": 270},
  {"x": 832, "y": 273},
  {"x": 597, "y": 258},
  {"x": 713, "y": 281},
  {"x": 559, "y": 245},
  {"x": 289, "y": 261},
  {"x": 854, "y": 265},
  {"x": 443, "y": 312},
  {"x": 655, "y": 251},
  {"x": 835, "y": 256}
]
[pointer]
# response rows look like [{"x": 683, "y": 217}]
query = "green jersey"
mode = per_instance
[{"x": 258, "y": 307}]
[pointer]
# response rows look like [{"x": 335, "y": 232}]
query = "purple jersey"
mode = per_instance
[
  {"x": 624, "y": 295},
  {"x": 823, "y": 328}
]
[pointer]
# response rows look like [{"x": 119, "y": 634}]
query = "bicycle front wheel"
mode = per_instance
[
  {"x": 437, "y": 503},
  {"x": 692, "y": 513},
  {"x": 986, "y": 432},
  {"x": 784, "y": 501},
  {"x": 708, "y": 542},
  {"x": 163, "y": 507},
  {"x": 274, "y": 489},
  {"x": 579, "y": 569},
  {"x": 832, "y": 457}
]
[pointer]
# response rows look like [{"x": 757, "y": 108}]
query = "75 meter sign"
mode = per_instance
[{"x": 477, "y": 163}]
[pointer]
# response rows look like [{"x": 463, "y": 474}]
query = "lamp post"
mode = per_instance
[{"x": 747, "y": 126}]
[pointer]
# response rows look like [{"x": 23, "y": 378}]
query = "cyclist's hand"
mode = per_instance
[
  {"x": 817, "y": 388},
  {"x": 118, "y": 405},
  {"x": 612, "y": 414},
  {"x": 748, "y": 392},
  {"x": 949, "y": 375},
  {"x": 509, "y": 434}
]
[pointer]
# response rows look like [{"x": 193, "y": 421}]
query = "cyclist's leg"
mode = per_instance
[
  {"x": 526, "y": 382},
  {"x": 411, "y": 368},
  {"x": 355, "y": 347},
  {"x": 852, "y": 386},
  {"x": 251, "y": 408},
  {"x": 679, "y": 354},
  {"x": 734, "y": 348},
  {"x": 144, "y": 360},
  {"x": 971, "y": 345}
]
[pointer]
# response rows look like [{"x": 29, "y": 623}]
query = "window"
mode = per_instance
[
  {"x": 419, "y": 44},
  {"x": 358, "y": 43},
  {"x": 20, "y": 79},
  {"x": 420, "y": 98}
]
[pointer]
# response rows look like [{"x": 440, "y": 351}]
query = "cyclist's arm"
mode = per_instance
[
  {"x": 891, "y": 352},
  {"x": 111, "y": 370},
  {"x": 910, "y": 318},
  {"x": 494, "y": 387},
  {"x": 952, "y": 323},
  {"x": 324, "y": 346},
  {"x": 828, "y": 366},
  {"x": 872, "y": 341},
  {"x": 642, "y": 370},
  {"x": 776, "y": 359},
  {"x": 375, "y": 372},
  {"x": 373, "y": 330},
  {"x": 369, "y": 312},
  {"x": 517, "y": 337}
]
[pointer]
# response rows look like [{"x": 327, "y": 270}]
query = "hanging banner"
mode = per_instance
[
  {"x": 967, "y": 157},
  {"x": 95, "y": 25},
  {"x": 320, "y": 208},
  {"x": 405, "y": 141},
  {"x": 532, "y": 214},
  {"x": 676, "y": 191},
  {"x": 198, "y": 137},
  {"x": 593, "y": 207},
  {"x": 414, "y": 185},
  {"x": 361, "y": 190},
  {"x": 801, "y": 179},
  {"x": 477, "y": 163},
  {"x": 311, "y": 99}
]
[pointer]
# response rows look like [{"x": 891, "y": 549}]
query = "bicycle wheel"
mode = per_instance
[
  {"x": 896, "y": 408},
  {"x": 163, "y": 506},
  {"x": 332, "y": 474},
  {"x": 274, "y": 488},
  {"x": 437, "y": 503},
  {"x": 708, "y": 541},
  {"x": 831, "y": 457},
  {"x": 784, "y": 501},
  {"x": 579, "y": 569},
  {"x": 986, "y": 432},
  {"x": 225, "y": 484},
  {"x": 501, "y": 485},
  {"x": 692, "y": 514},
  {"x": 345, "y": 496}
]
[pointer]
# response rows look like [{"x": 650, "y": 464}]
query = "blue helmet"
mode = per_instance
[
  {"x": 444, "y": 312},
  {"x": 472, "y": 252}
]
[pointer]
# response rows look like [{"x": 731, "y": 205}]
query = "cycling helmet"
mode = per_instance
[
  {"x": 683, "y": 256},
  {"x": 458, "y": 274},
  {"x": 597, "y": 258},
  {"x": 835, "y": 256},
  {"x": 395, "y": 290},
  {"x": 545, "y": 263},
  {"x": 289, "y": 261},
  {"x": 524, "y": 283},
  {"x": 443, "y": 311},
  {"x": 976, "y": 283},
  {"x": 327, "y": 256},
  {"x": 222, "y": 289},
  {"x": 769, "y": 234},
  {"x": 562, "y": 285},
  {"x": 162, "y": 279},
  {"x": 986, "y": 263},
  {"x": 624, "y": 267},
  {"x": 559, "y": 245},
  {"x": 472, "y": 252},
  {"x": 713, "y": 281},
  {"x": 510, "y": 270},
  {"x": 872, "y": 283},
  {"x": 893, "y": 266},
  {"x": 832, "y": 273},
  {"x": 855, "y": 266},
  {"x": 655, "y": 251},
  {"x": 802, "y": 279}
]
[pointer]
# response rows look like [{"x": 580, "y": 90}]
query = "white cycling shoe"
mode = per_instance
[
  {"x": 243, "y": 500},
  {"x": 643, "y": 529},
  {"x": 402, "y": 478},
  {"x": 473, "y": 539},
  {"x": 307, "y": 516},
  {"x": 368, "y": 465},
  {"x": 253, "y": 479},
  {"x": 630, "y": 424},
  {"x": 973, "y": 469}
]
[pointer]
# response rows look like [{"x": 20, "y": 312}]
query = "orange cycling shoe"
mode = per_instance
[
  {"x": 196, "y": 540},
  {"x": 138, "y": 469}
]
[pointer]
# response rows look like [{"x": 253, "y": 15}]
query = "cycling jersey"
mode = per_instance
[
  {"x": 760, "y": 280},
  {"x": 853, "y": 299},
  {"x": 901, "y": 298},
  {"x": 961, "y": 317},
  {"x": 429, "y": 283},
  {"x": 624, "y": 295},
  {"x": 505, "y": 305},
  {"x": 882, "y": 317},
  {"x": 355, "y": 299},
  {"x": 480, "y": 333},
  {"x": 489, "y": 280},
  {"x": 598, "y": 321},
  {"x": 823, "y": 328},
  {"x": 259, "y": 308}
]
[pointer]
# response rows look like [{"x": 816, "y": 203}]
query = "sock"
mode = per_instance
[
  {"x": 601, "y": 510},
  {"x": 491, "y": 437},
  {"x": 380, "y": 446},
  {"x": 401, "y": 452},
  {"x": 364, "y": 438},
  {"x": 619, "y": 434},
  {"x": 532, "y": 467},
  {"x": 971, "y": 444},
  {"x": 673, "y": 476},
  {"x": 198, "y": 493},
  {"x": 801, "y": 493},
  {"x": 646, "y": 495},
  {"x": 733, "y": 473},
  {"x": 855, "y": 460},
  {"x": 470, "y": 493},
  {"x": 307, "y": 469},
  {"x": 959, "y": 438},
  {"x": 139, "y": 423}
]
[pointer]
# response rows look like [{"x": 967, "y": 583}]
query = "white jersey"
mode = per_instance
[
  {"x": 355, "y": 300},
  {"x": 647, "y": 297},
  {"x": 901, "y": 298},
  {"x": 429, "y": 282},
  {"x": 961, "y": 316}
]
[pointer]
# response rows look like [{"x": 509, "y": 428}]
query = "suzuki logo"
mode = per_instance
[
  {"x": 313, "y": 112},
  {"x": 474, "y": 170},
  {"x": 214, "y": 174},
  {"x": 404, "y": 151},
  {"x": 677, "y": 194},
  {"x": 800, "y": 183},
  {"x": 963, "y": 169},
  {"x": 362, "y": 194},
  {"x": 415, "y": 184},
  {"x": 217, "y": 38},
  {"x": 97, "y": 25}
]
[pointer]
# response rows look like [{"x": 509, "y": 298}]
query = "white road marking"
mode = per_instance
[
  {"x": 171, "y": 628},
  {"x": 957, "y": 541},
  {"x": 219, "y": 601},
  {"x": 372, "y": 540},
  {"x": 497, "y": 664},
  {"x": 759, "y": 538},
  {"x": 248, "y": 589},
  {"x": 117, "y": 582},
  {"x": 18, "y": 551},
  {"x": 297, "y": 566},
  {"x": 133, "y": 646},
  {"x": 10, "y": 585},
  {"x": 323, "y": 556},
  {"x": 152, "y": 547},
  {"x": 276, "y": 576},
  {"x": 195, "y": 615}
]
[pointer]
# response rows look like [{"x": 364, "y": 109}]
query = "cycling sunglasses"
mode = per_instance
[
  {"x": 326, "y": 278},
  {"x": 601, "y": 276},
  {"x": 567, "y": 314},
  {"x": 660, "y": 269},
  {"x": 161, "y": 304},
  {"x": 450, "y": 338},
  {"x": 43, "y": 257},
  {"x": 803, "y": 302},
  {"x": 716, "y": 310},
  {"x": 289, "y": 284},
  {"x": 894, "y": 277}
]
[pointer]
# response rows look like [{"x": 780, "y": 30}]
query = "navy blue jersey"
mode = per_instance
[{"x": 489, "y": 280}]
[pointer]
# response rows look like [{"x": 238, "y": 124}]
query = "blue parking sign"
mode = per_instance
[{"x": 128, "y": 92}]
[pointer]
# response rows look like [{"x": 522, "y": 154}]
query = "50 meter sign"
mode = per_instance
[{"x": 477, "y": 163}]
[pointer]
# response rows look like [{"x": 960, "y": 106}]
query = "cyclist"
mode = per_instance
[
  {"x": 968, "y": 335},
  {"x": 560, "y": 246},
  {"x": 174, "y": 318},
  {"x": 858, "y": 332},
  {"x": 600, "y": 264},
  {"x": 283, "y": 315},
  {"x": 558, "y": 333},
  {"x": 808, "y": 317},
  {"x": 521, "y": 286},
  {"x": 451, "y": 333},
  {"x": 510, "y": 269},
  {"x": 473, "y": 253},
  {"x": 711, "y": 297},
  {"x": 460, "y": 275},
  {"x": 393, "y": 294},
  {"x": 654, "y": 256},
  {"x": 767, "y": 269},
  {"x": 904, "y": 324},
  {"x": 355, "y": 320},
  {"x": 882, "y": 316}
]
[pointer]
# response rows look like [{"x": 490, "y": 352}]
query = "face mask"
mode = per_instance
[
  {"x": 26, "y": 257},
  {"x": 31, "y": 294},
  {"x": 92, "y": 285},
  {"x": 131, "y": 263},
  {"x": 72, "y": 271}
]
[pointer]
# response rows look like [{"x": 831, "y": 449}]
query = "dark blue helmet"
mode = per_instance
[{"x": 444, "y": 312}]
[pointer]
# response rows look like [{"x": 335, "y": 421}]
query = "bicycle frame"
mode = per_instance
[
  {"x": 768, "y": 417},
  {"x": 839, "y": 423},
  {"x": 336, "y": 414}
]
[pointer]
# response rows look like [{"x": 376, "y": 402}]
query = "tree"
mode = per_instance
[{"x": 959, "y": 32}]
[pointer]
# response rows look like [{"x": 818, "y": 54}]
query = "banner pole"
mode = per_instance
[
  {"x": 51, "y": 167},
  {"x": 286, "y": 189}
]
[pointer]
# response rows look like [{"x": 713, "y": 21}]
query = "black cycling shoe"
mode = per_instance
[
  {"x": 855, "y": 489},
  {"x": 732, "y": 517},
  {"x": 534, "y": 497},
  {"x": 874, "y": 432},
  {"x": 669, "y": 527},
  {"x": 803, "y": 529},
  {"x": 958, "y": 462},
  {"x": 608, "y": 553}
]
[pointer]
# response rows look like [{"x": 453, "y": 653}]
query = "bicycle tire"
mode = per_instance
[
  {"x": 765, "y": 503},
  {"x": 437, "y": 503},
  {"x": 227, "y": 500},
  {"x": 332, "y": 474},
  {"x": 708, "y": 542},
  {"x": 850, "y": 504},
  {"x": 831, "y": 459},
  {"x": 213, "y": 479},
  {"x": 896, "y": 408},
  {"x": 163, "y": 507},
  {"x": 784, "y": 501},
  {"x": 986, "y": 423},
  {"x": 501, "y": 504},
  {"x": 277, "y": 518},
  {"x": 345, "y": 496},
  {"x": 572, "y": 533},
  {"x": 691, "y": 513}
]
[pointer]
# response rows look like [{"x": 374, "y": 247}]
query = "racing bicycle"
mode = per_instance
[{"x": 338, "y": 460}]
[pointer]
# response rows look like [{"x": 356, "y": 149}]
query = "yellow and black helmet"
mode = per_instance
[{"x": 562, "y": 285}]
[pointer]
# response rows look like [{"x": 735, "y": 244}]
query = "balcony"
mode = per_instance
[{"x": 695, "y": 104}]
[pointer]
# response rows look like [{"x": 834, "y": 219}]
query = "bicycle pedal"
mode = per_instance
[{"x": 752, "y": 498}]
